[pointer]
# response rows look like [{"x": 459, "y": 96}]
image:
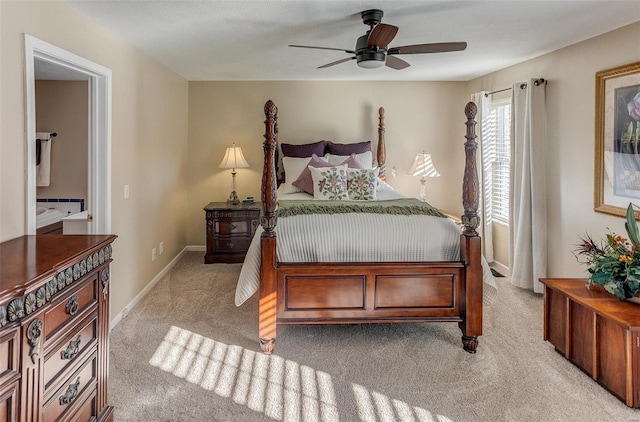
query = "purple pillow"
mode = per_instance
[
  {"x": 348, "y": 149},
  {"x": 305, "y": 180},
  {"x": 304, "y": 150}
]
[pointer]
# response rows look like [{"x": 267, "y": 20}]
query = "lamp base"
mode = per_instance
[
  {"x": 233, "y": 199},
  {"x": 423, "y": 190}
]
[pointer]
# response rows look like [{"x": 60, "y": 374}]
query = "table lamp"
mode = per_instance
[
  {"x": 233, "y": 159},
  {"x": 423, "y": 167}
]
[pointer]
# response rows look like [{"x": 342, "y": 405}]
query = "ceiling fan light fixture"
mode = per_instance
[{"x": 370, "y": 64}]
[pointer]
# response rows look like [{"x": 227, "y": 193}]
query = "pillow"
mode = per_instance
[
  {"x": 293, "y": 167},
  {"x": 304, "y": 150},
  {"x": 305, "y": 182},
  {"x": 362, "y": 184},
  {"x": 348, "y": 149},
  {"x": 329, "y": 183},
  {"x": 365, "y": 159}
]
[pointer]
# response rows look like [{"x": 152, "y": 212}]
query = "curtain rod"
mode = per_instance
[{"x": 522, "y": 86}]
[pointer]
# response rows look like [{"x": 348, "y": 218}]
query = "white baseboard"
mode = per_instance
[
  {"x": 501, "y": 268},
  {"x": 116, "y": 320},
  {"x": 196, "y": 248}
]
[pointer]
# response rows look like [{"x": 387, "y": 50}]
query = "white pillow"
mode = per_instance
[
  {"x": 329, "y": 183},
  {"x": 362, "y": 184},
  {"x": 293, "y": 168},
  {"x": 365, "y": 159}
]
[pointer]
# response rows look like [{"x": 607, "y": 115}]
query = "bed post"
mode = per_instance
[
  {"x": 382, "y": 151},
  {"x": 267, "y": 317},
  {"x": 470, "y": 246}
]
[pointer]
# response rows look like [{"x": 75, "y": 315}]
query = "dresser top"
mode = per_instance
[
  {"x": 223, "y": 206},
  {"x": 29, "y": 257}
]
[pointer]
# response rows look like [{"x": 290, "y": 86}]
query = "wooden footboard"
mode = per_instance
[{"x": 338, "y": 293}]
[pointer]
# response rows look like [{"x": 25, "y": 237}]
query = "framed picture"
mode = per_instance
[{"x": 617, "y": 138}]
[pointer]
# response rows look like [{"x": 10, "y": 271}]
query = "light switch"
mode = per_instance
[{"x": 126, "y": 191}]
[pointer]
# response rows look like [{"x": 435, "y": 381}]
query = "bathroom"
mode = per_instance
[{"x": 62, "y": 108}]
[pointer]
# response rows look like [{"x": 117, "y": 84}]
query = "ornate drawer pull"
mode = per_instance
[
  {"x": 233, "y": 226},
  {"x": 72, "y": 305},
  {"x": 231, "y": 245},
  {"x": 71, "y": 394},
  {"x": 72, "y": 349}
]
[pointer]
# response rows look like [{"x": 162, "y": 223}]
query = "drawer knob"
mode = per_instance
[
  {"x": 72, "y": 305},
  {"x": 231, "y": 245},
  {"x": 72, "y": 349},
  {"x": 71, "y": 394}
]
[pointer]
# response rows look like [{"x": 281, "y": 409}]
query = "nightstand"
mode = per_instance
[{"x": 230, "y": 229}]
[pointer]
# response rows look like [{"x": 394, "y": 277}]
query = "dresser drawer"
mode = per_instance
[
  {"x": 72, "y": 305},
  {"x": 227, "y": 226},
  {"x": 87, "y": 411},
  {"x": 232, "y": 244},
  {"x": 82, "y": 379},
  {"x": 67, "y": 351}
]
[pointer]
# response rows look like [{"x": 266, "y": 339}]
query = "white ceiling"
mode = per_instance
[{"x": 247, "y": 40}]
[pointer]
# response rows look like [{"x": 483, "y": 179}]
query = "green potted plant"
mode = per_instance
[{"x": 614, "y": 264}]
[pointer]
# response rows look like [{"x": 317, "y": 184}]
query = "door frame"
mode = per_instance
[{"x": 99, "y": 136}]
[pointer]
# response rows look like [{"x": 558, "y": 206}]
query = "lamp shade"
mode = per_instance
[
  {"x": 423, "y": 166},
  {"x": 233, "y": 159}
]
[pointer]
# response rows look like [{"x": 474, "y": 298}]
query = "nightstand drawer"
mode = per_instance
[
  {"x": 230, "y": 229},
  {"x": 232, "y": 226},
  {"x": 232, "y": 244}
]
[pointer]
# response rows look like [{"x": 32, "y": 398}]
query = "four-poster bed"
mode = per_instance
[{"x": 370, "y": 292}]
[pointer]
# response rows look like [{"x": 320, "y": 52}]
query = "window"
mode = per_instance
[{"x": 497, "y": 135}]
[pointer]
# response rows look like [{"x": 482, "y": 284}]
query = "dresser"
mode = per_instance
[
  {"x": 596, "y": 332},
  {"x": 54, "y": 328},
  {"x": 230, "y": 229}
]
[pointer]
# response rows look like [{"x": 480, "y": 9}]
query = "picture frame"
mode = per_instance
[{"x": 617, "y": 140}]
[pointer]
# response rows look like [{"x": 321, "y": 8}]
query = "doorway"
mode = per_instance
[{"x": 45, "y": 57}]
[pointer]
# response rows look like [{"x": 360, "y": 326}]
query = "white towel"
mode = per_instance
[{"x": 43, "y": 170}]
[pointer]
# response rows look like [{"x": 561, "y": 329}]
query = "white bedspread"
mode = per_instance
[{"x": 358, "y": 237}]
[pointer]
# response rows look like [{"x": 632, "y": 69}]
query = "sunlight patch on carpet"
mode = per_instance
[{"x": 279, "y": 388}]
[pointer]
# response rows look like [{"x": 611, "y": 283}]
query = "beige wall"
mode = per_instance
[
  {"x": 62, "y": 107},
  {"x": 570, "y": 136},
  {"x": 418, "y": 115},
  {"x": 149, "y": 139}
]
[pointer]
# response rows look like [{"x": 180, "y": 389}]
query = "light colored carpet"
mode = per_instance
[{"x": 186, "y": 353}]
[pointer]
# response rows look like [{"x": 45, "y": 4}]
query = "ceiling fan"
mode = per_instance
[{"x": 373, "y": 51}]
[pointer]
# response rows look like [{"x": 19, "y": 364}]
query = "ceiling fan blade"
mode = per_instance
[
  {"x": 336, "y": 62},
  {"x": 381, "y": 35},
  {"x": 441, "y": 47},
  {"x": 395, "y": 63},
  {"x": 323, "y": 48}
]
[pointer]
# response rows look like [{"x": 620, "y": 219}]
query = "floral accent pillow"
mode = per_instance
[
  {"x": 305, "y": 182},
  {"x": 362, "y": 184},
  {"x": 329, "y": 183}
]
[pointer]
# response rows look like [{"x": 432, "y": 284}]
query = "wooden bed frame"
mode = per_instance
[{"x": 375, "y": 292}]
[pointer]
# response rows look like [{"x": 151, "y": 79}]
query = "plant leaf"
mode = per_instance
[{"x": 632, "y": 227}]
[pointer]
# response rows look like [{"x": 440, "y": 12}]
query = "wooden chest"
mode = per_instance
[
  {"x": 597, "y": 332},
  {"x": 54, "y": 328}
]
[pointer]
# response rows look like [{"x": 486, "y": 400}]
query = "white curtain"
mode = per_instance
[
  {"x": 485, "y": 158},
  {"x": 527, "y": 193}
]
